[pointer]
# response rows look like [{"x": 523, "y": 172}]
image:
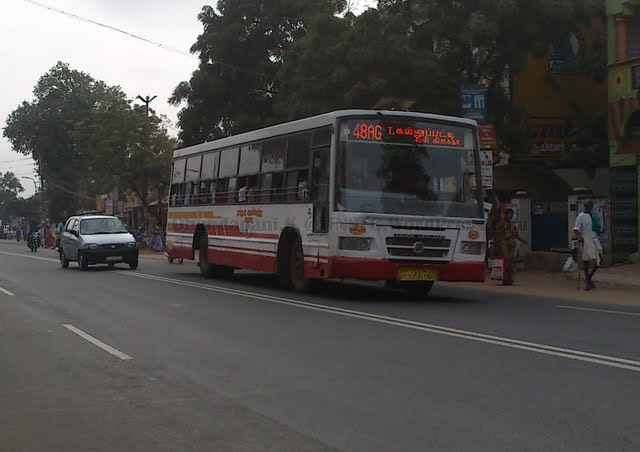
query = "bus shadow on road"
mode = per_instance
[{"x": 329, "y": 290}]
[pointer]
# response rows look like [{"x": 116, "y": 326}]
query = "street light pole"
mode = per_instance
[{"x": 147, "y": 100}]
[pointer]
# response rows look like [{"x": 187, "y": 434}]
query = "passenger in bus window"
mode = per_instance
[
  {"x": 212, "y": 192},
  {"x": 303, "y": 187},
  {"x": 242, "y": 194},
  {"x": 204, "y": 193},
  {"x": 252, "y": 192}
]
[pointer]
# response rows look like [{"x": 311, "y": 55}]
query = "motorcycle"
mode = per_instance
[{"x": 34, "y": 242}]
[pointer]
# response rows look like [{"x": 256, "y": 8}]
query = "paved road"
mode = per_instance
[{"x": 163, "y": 359}]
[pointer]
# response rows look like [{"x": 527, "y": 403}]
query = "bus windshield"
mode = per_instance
[{"x": 407, "y": 167}]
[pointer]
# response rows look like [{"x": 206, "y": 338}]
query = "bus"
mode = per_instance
[{"x": 371, "y": 195}]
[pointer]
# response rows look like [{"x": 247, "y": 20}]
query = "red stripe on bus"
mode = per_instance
[
  {"x": 384, "y": 270},
  {"x": 220, "y": 231},
  {"x": 231, "y": 257}
]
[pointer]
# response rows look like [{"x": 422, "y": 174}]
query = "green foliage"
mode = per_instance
[
  {"x": 29, "y": 208},
  {"x": 43, "y": 129},
  {"x": 86, "y": 136},
  {"x": 241, "y": 50},
  {"x": 10, "y": 187},
  {"x": 263, "y": 62},
  {"x": 124, "y": 147}
]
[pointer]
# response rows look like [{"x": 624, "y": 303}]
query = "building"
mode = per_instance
[
  {"x": 623, "y": 26},
  {"x": 562, "y": 103}
]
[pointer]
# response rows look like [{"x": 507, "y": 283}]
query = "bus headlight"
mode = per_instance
[
  {"x": 355, "y": 243},
  {"x": 471, "y": 247}
]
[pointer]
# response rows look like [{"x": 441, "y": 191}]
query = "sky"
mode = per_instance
[{"x": 34, "y": 39}]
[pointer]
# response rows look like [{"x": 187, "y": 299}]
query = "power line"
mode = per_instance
[
  {"x": 109, "y": 27},
  {"x": 12, "y": 167},
  {"x": 15, "y": 160}
]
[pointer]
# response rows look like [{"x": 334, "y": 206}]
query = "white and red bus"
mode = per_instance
[{"x": 353, "y": 194}]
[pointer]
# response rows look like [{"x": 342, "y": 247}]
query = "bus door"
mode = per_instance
[{"x": 320, "y": 189}]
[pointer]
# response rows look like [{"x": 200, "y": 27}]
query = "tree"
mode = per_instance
[
  {"x": 240, "y": 53},
  {"x": 124, "y": 147},
  {"x": 43, "y": 129},
  {"x": 353, "y": 62},
  {"x": 21, "y": 207},
  {"x": 481, "y": 42},
  {"x": 10, "y": 187}
]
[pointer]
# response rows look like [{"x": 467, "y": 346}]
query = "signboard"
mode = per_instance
[
  {"x": 404, "y": 131},
  {"x": 486, "y": 167},
  {"x": 487, "y": 136},
  {"x": 474, "y": 102},
  {"x": 565, "y": 56},
  {"x": 538, "y": 208}
]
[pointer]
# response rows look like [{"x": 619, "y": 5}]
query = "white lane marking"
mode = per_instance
[
  {"x": 29, "y": 256},
  {"x": 98, "y": 343},
  {"x": 606, "y": 311},
  {"x": 578, "y": 355},
  {"x": 6, "y": 292}
]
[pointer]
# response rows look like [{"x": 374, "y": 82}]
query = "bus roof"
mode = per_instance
[{"x": 312, "y": 122}]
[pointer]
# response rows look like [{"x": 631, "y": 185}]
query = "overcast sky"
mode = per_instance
[{"x": 34, "y": 39}]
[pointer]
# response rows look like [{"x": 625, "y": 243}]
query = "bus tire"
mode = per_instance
[
  {"x": 418, "y": 290},
  {"x": 207, "y": 269},
  {"x": 292, "y": 271}
]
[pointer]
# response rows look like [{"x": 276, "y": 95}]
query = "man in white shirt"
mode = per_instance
[
  {"x": 242, "y": 194},
  {"x": 589, "y": 240}
]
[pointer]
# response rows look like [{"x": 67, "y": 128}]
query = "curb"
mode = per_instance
[{"x": 606, "y": 280}]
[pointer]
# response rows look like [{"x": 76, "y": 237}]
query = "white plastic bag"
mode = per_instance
[{"x": 569, "y": 265}]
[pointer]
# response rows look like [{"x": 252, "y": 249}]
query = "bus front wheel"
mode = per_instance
[{"x": 418, "y": 289}]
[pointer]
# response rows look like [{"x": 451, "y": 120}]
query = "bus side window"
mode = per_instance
[
  {"x": 231, "y": 190},
  {"x": 221, "y": 191},
  {"x": 265, "y": 187},
  {"x": 277, "y": 188},
  {"x": 297, "y": 186}
]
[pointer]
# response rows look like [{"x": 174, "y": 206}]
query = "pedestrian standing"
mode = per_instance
[
  {"x": 507, "y": 233},
  {"x": 588, "y": 239},
  {"x": 156, "y": 240}
]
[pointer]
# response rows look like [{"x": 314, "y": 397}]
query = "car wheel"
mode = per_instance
[
  {"x": 133, "y": 264},
  {"x": 64, "y": 262},
  {"x": 82, "y": 262}
]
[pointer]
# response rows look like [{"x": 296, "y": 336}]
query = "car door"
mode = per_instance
[{"x": 71, "y": 236}]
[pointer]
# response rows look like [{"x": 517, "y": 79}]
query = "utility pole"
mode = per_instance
[{"x": 146, "y": 100}]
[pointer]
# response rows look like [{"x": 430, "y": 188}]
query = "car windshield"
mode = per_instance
[
  {"x": 387, "y": 169},
  {"x": 91, "y": 226}
]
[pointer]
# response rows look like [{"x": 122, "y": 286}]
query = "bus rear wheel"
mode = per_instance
[
  {"x": 292, "y": 271},
  {"x": 210, "y": 270}
]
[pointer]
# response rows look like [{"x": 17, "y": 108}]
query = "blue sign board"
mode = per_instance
[{"x": 474, "y": 102}]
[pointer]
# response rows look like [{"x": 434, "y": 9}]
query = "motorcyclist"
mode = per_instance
[{"x": 33, "y": 228}]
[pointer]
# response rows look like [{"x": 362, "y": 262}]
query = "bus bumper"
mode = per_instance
[{"x": 384, "y": 270}]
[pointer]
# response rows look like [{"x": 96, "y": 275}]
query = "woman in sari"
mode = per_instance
[{"x": 507, "y": 233}]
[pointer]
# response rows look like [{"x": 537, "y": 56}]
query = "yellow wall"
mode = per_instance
[{"x": 532, "y": 92}]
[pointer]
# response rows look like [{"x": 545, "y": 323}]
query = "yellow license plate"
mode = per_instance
[{"x": 417, "y": 274}]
